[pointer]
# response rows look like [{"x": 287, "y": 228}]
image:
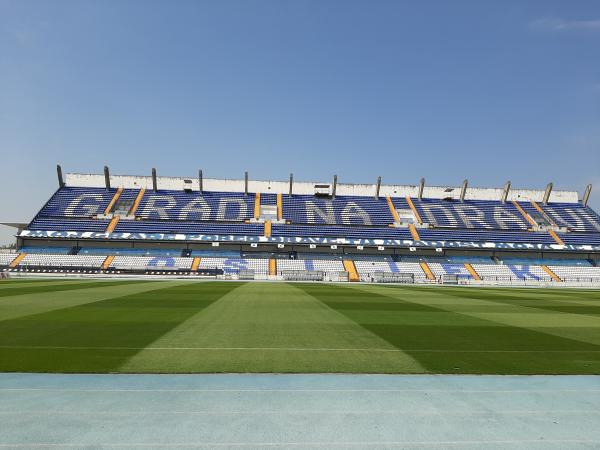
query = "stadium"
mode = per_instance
[
  {"x": 172, "y": 275},
  {"x": 255, "y": 224},
  {"x": 300, "y": 231}
]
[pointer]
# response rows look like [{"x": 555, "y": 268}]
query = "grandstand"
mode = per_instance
[{"x": 150, "y": 225}]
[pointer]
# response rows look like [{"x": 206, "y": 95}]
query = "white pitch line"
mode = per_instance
[
  {"x": 468, "y": 391},
  {"x": 290, "y": 349},
  {"x": 304, "y": 444},
  {"x": 306, "y": 412}
]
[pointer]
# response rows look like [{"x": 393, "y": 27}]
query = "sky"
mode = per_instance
[{"x": 485, "y": 90}]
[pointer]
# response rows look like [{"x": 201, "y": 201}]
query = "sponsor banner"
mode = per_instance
[{"x": 299, "y": 240}]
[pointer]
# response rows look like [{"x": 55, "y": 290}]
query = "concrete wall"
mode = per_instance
[{"x": 302, "y": 187}]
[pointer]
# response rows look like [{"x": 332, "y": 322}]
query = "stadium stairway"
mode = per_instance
[
  {"x": 414, "y": 233},
  {"x": 393, "y": 209},
  {"x": 112, "y": 224},
  {"x": 137, "y": 202},
  {"x": 414, "y": 210},
  {"x": 114, "y": 200},
  {"x": 272, "y": 266},
  {"x": 350, "y": 267},
  {"x": 558, "y": 240},
  {"x": 427, "y": 270},
  {"x": 472, "y": 271},
  {"x": 526, "y": 216},
  {"x": 552, "y": 233},
  {"x": 551, "y": 273},
  {"x": 15, "y": 262},
  {"x": 268, "y": 228},
  {"x": 279, "y": 206},
  {"x": 543, "y": 213},
  {"x": 257, "y": 205},
  {"x": 107, "y": 262},
  {"x": 195, "y": 264}
]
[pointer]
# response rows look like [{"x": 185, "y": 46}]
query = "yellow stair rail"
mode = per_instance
[
  {"x": 414, "y": 210},
  {"x": 272, "y": 266},
  {"x": 551, "y": 273},
  {"x": 112, "y": 224},
  {"x": 414, "y": 232},
  {"x": 107, "y": 262},
  {"x": 279, "y": 206},
  {"x": 137, "y": 202},
  {"x": 268, "y": 228},
  {"x": 350, "y": 267},
  {"x": 195, "y": 264},
  {"x": 113, "y": 201},
  {"x": 526, "y": 216},
  {"x": 472, "y": 271},
  {"x": 257, "y": 205},
  {"x": 393, "y": 209},
  {"x": 427, "y": 270},
  {"x": 15, "y": 262}
]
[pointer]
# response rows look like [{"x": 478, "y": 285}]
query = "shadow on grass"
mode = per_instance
[
  {"x": 457, "y": 343},
  {"x": 123, "y": 325}
]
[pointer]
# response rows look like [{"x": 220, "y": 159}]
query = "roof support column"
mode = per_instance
[
  {"x": 586, "y": 194},
  {"x": 505, "y": 192},
  {"x": 106, "y": 177},
  {"x": 421, "y": 188},
  {"x": 463, "y": 191},
  {"x": 61, "y": 181},
  {"x": 377, "y": 188},
  {"x": 547, "y": 194},
  {"x": 334, "y": 186}
]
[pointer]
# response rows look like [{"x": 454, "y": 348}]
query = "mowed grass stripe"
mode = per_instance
[
  {"x": 25, "y": 282},
  {"x": 13, "y": 307},
  {"x": 286, "y": 349},
  {"x": 275, "y": 327},
  {"x": 122, "y": 323},
  {"x": 270, "y": 327},
  {"x": 564, "y": 302},
  {"x": 444, "y": 341},
  {"x": 60, "y": 286},
  {"x": 512, "y": 310}
]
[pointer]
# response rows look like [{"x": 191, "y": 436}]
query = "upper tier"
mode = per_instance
[{"x": 88, "y": 203}]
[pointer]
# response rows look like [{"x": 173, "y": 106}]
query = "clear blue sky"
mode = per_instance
[{"x": 484, "y": 90}]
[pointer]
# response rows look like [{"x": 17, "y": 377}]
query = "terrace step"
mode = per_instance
[
  {"x": 350, "y": 267},
  {"x": 107, "y": 262},
  {"x": 414, "y": 210},
  {"x": 137, "y": 202},
  {"x": 551, "y": 273},
  {"x": 257, "y": 205},
  {"x": 393, "y": 209},
  {"x": 414, "y": 233},
  {"x": 195, "y": 264},
  {"x": 427, "y": 270},
  {"x": 113, "y": 202},
  {"x": 473, "y": 272},
  {"x": 15, "y": 262},
  {"x": 113, "y": 224}
]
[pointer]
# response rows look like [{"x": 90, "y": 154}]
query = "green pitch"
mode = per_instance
[{"x": 183, "y": 326}]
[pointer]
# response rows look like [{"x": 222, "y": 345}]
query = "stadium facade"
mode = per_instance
[{"x": 167, "y": 226}]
